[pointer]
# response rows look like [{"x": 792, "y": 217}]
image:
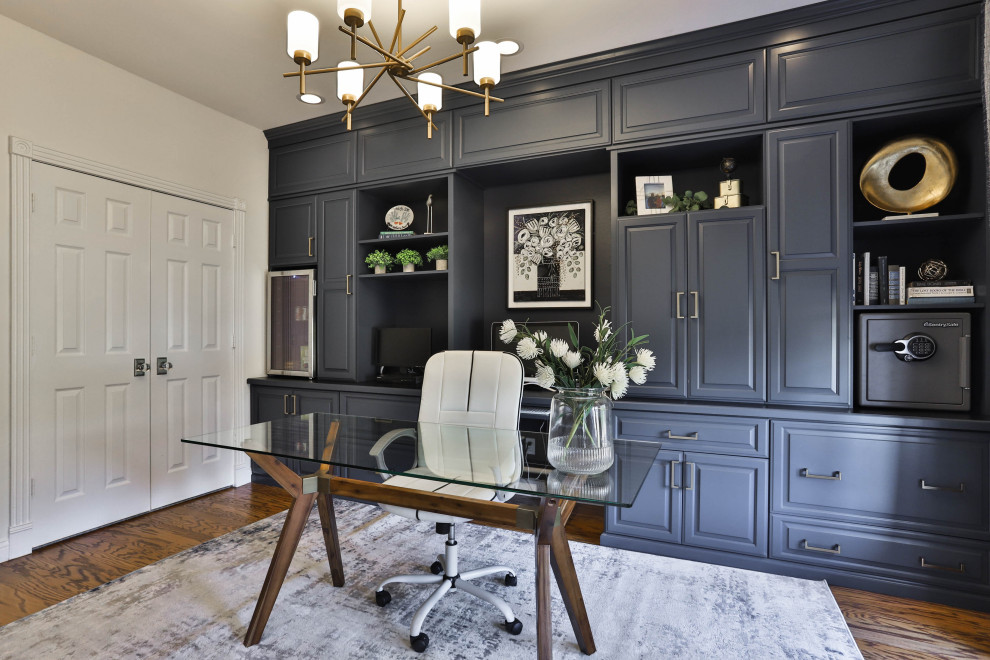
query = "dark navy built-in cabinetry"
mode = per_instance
[{"x": 766, "y": 462}]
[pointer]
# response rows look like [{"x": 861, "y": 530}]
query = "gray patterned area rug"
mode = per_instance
[{"x": 197, "y": 604}]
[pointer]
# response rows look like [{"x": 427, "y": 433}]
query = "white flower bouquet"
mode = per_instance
[{"x": 559, "y": 364}]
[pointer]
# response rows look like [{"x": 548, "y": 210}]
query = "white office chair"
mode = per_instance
[{"x": 478, "y": 388}]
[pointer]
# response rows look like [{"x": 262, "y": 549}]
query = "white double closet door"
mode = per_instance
[{"x": 119, "y": 273}]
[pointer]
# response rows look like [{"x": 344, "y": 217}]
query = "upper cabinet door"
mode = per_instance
[
  {"x": 726, "y": 303},
  {"x": 809, "y": 306},
  {"x": 723, "y": 92},
  {"x": 652, "y": 296},
  {"x": 401, "y": 148},
  {"x": 335, "y": 307},
  {"x": 311, "y": 165},
  {"x": 545, "y": 122},
  {"x": 929, "y": 56},
  {"x": 292, "y": 232}
]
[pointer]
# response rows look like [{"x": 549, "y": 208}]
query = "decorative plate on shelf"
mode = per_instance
[{"x": 399, "y": 217}]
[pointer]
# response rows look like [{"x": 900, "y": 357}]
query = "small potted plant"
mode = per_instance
[
  {"x": 409, "y": 260},
  {"x": 380, "y": 260},
  {"x": 439, "y": 255}
]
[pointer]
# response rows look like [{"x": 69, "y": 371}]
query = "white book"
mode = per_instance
[{"x": 902, "y": 297}]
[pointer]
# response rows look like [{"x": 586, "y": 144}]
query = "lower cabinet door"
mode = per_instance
[
  {"x": 726, "y": 504},
  {"x": 313, "y": 402},
  {"x": 656, "y": 513}
]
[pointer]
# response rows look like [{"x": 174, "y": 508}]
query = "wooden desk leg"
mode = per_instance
[
  {"x": 288, "y": 541},
  {"x": 329, "y": 523},
  {"x": 570, "y": 589},
  {"x": 544, "y": 619}
]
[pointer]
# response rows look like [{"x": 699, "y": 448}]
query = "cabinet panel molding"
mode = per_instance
[
  {"x": 541, "y": 123},
  {"x": 401, "y": 148},
  {"x": 917, "y": 58},
  {"x": 718, "y": 93},
  {"x": 312, "y": 165}
]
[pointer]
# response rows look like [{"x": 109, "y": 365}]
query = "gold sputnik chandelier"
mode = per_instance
[{"x": 303, "y": 44}]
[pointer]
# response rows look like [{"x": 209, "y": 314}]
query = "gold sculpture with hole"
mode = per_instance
[{"x": 941, "y": 168}]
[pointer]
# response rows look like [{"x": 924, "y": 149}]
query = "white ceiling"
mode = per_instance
[{"x": 230, "y": 54}]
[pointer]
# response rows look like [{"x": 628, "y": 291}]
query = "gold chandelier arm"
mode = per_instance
[
  {"x": 412, "y": 57},
  {"x": 412, "y": 100},
  {"x": 453, "y": 89},
  {"x": 365, "y": 92},
  {"x": 397, "y": 35},
  {"x": 311, "y": 72},
  {"x": 413, "y": 44},
  {"x": 375, "y": 33},
  {"x": 442, "y": 61},
  {"x": 367, "y": 43}
]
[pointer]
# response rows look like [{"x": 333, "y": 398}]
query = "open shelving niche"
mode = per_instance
[
  {"x": 958, "y": 235},
  {"x": 421, "y": 298}
]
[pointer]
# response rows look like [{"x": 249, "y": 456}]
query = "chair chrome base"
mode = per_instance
[{"x": 450, "y": 580}]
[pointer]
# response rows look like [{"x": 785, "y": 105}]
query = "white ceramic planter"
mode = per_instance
[
  {"x": 441, "y": 264},
  {"x": 408, "y": 268},
  {"x": 379, "y": 270}
]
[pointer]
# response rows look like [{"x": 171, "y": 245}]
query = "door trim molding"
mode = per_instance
[{"x": 22, "y": 154}]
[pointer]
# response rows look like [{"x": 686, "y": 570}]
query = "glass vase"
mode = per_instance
[{"x": 581, "y": 431}]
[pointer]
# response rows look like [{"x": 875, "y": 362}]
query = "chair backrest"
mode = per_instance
[{"x": 479, "y": 388}]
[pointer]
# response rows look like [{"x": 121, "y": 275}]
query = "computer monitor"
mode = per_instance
[
  {"x": 554, "y": 330},
  {"x": 405, "y": 348}
]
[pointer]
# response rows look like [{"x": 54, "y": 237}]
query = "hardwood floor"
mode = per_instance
[{"x": 884, "y": 627}]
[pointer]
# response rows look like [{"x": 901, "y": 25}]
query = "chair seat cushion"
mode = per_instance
[{"x": 431, "y": 486}]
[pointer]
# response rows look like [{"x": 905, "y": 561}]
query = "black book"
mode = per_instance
[
  {"x": 859, "y": 280},
  {"x": 927, "y": 283},
  {"x": 883, "y": 283}
]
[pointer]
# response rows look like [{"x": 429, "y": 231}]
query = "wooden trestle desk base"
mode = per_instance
[{"x": 553, "y": 553}]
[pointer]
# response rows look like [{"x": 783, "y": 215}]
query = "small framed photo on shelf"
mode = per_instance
[
  {"x": 650, "y": 191},
  {"x": 550, "y": 256}
]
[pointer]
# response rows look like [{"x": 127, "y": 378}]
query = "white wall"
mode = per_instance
[{"x": 61, "y": 98}]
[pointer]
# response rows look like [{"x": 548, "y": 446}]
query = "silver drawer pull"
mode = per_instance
[
  {"x": 689, "y": 436},
  {"x": 836, "y": 476},
  {"x": 961, "y": 489},
  {"x": 673, "y": 467},
  {"x": 834, "y": 550},
  {"x": 961, "y": 569}
]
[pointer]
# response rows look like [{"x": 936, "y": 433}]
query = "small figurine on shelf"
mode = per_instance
[
  {"x": 409, "y": 260},
  {"x": 429, "y": 214},
  {"x": 439, "y": 255},
  {"x": 380, "y": 260}
]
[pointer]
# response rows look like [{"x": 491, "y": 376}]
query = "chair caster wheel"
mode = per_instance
[
  {"x": 513, "y": 627},
  {"x": 383, "y": 598},
  {"x": 510, "y": 580},
  {"x": 419, "y": 642},
  {"x": 436, "y": 568}
]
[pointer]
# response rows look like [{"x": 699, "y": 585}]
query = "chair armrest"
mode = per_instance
[{"x": 378, "y": 449}]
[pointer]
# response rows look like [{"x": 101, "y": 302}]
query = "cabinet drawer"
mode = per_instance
[
  {"x": 532, "y": 124},
  {"x": 716, "y": 93},
  {"x": 703, "y": 433},
  {"x": 378, "y": 405},
  {"x": 913, "y": 556},
  {"x": 923, "y": 57},
  {"x": 919, "y": 479}
]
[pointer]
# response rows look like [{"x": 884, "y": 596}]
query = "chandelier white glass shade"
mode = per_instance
[
  {"x": 429, "y": 95},
  {"x": 302, "y": 46}
]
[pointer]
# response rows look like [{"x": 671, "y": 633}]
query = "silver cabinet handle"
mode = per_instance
[
  {"x": 834, "y": 550},
  {"x": 691, "y": 472},
  {"x": 349, "y": 284},
  {"x": 950, "y": 489},
  {"x": 673, "y": 467},
  {"x": 777, "y": 256},
  {"x": 309, "y": 247},
  {"x": 678, "y": 304},
  {"x": 689, "y": 436},
  {"x": 836, "y": 476},
  {"x": 937, "y": 567},
  {"x": 695, "y": 295},
  {"x": 285, "y": 404},
  {"x": 293, "y": 404}
]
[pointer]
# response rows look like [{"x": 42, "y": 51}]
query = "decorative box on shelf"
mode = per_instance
[{"x": 730, "y": 195}]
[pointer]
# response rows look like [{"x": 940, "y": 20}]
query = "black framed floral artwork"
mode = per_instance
[{"x": 550, "y": 256}]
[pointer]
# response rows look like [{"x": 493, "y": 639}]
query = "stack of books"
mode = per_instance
[
  {"x": 940, "y": 292},
  {"x": 396, "y": 234},
  {"x": 879, "y": 283}
]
